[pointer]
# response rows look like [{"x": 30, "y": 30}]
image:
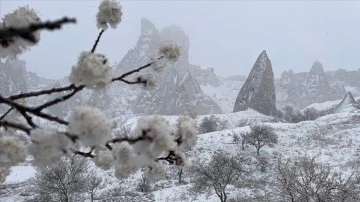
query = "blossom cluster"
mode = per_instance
[
  {"x": 92, "y": 70},
  {"x": 170, "y": 50},
  {"x": 155, "y": 140},
  {"x": 20, "y": 18},
  {"x": 110, "y": 12},
  {"x": 91, "y": 126},
  {"x": 48, "y": 146}
]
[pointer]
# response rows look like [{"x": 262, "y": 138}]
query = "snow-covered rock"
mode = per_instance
[
  {"x": 258, "y": 91},
  {"x": 347, "y": 104}
]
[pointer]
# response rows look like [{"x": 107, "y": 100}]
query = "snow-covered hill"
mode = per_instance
[{"x": 333, "y": 139}]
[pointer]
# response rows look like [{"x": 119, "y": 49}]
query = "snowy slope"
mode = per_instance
[
  {"x": 334, "y": 140},
  {"x": 224, "y": 94}
]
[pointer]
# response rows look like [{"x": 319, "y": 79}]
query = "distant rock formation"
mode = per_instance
[
  {"x": 347, "y": 104},
  {"x": 316, "y": 82},
  {"x": 258, "y": 91},
  {"x": 12, "y": 77},
  {"x": 303, "y": 89},
  {"x": 178, "y": 90}
]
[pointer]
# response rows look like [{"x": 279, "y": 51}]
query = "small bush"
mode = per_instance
[{"x": 209, "y": 124}]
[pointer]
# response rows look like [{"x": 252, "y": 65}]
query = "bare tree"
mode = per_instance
[
  {"x": 63, "y": 180},
  {"x": 222, "y": 170},
  {"x": 144, "y": 184},
  {"x": 306, "y": 180},
  {"x": 94, "y": 184},
  {"x": 244, "y": 139},
  {"x": 260, "y": 136}
]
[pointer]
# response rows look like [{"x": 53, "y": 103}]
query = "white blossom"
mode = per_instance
[
  {"x": 186, "y": 132},
  {"x": 158, "y": 64},
  {"x": 12, "y": 151},
  {"x": 170, "y": 50},
  {"x": 149, "y": 79},
  {"x": 104, "y": 158},
  {"x": 181, "y": 160},
  {"x": 123, "y": 171},
  {"x": 20, "y": 18},
  {"x": 157, "y": 130},
  {"x": 91, "y": 125},
  {"x": 4, "y": 172},
  {"x": 123, "y": 153},
  {"x": 48, "y": 146},
  {"x": 110, "y": 12},
  {"x": 154, "y": 172},
  {"x": 92, "y": 70}
]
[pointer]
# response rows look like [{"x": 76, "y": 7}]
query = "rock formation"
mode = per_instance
[
  {"x": 12, "y": 77},
  {"x": 178, "y": 90},
  {"x": 347, "y": 104},
  {"x": 303, "y": 89},
  {"x": 258, "y": 91}
]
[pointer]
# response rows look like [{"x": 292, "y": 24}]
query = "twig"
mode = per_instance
[
  {"x": 85, "y": 154},
  {"x": 134, "y": 71},
  {"x": 6, "y": 124},
  {"x": 22, "y": 109},
  {"x": 43, "y": 92},
  {"x": 97, "y": 41},
  {"x": 172, "y": 158},
  {"x": 6, "y": 113},
  {"x": 27, "y": 32},
  {"x": 59, "y": 99}
]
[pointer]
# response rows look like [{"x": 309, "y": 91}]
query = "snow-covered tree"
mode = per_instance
[
  {"x": 260, "y": 136},
  {"x": 61, "y": 182},
  {"x": 307, "y": 180},
  {"x": 154, "y": 140},
  {"x": 222, "y": 170}
]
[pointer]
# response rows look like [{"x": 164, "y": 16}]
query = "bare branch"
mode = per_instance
[
  {"x": 43, "y": 92},
  {"x": 60, "y": 99},
  {"x": 27, "y": 32},
  {"x": 97, "y": 41},
  {"x": 6, "y": 113},
  {"x": 6, "y": 124}
]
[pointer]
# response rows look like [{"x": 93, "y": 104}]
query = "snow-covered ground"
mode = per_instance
[
  {"x": 225, "y": 94},
  {"x": 333, "y": 139}
]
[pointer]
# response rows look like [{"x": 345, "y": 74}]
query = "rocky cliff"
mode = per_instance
[
  {"x": 258, "y": 91},
  {"x": 303, "y": 89},
  {"x": 178, "y": 90}
]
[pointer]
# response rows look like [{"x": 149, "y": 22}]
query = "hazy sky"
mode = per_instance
[{"x": 226, "y": 35}]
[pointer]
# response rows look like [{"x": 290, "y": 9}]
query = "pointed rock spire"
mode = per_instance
[
  {"x": 347, "y": 104},
  {"x": 258, "y": 91}
]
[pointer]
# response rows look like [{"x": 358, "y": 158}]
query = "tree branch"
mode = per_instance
[
  {"x": 6, "y": 124},
  {"x": 27, "y": 32},
  {"x": 59, "y": 99},
  {"x": 43, "y": 92},
  {"x": 6, "y": 113},
  {"x": 97, "y": 41}
]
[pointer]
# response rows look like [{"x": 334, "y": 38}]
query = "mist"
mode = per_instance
[{"x": 227, "y": 36}]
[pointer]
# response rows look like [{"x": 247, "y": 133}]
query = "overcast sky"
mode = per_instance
[{"x": 226, "y": 35}]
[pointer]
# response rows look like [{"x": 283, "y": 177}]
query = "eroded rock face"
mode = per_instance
[
  {"x": 12, "y": 77},
  {"x": 258, "y": 91},
  {"x": 316, "y": 82},
  {"x": 178, "y": 90},
  {"x": 303, "y": 89}
]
